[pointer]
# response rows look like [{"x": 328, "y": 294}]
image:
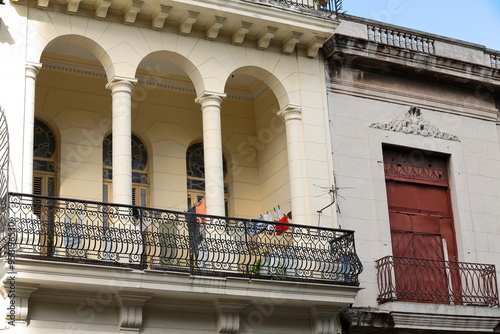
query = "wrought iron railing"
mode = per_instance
[
  {"x": 333, "y": 6},
  {"x": 434, "y": 281},
  {"x": 69, "y": 230}
]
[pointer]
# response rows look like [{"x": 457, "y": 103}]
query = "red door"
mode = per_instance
[{"x": 421, "y": 229}]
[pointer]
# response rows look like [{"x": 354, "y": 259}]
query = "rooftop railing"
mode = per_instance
[
  {"x": 332, "y": 6},
  {"x": 434, "y": 281},
  {"x": 495, "y": 60},
  {"x": 68, "y": 230},
  {"x": 401, "y": 39}
]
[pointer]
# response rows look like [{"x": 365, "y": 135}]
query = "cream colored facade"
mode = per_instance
[
  {"x": 169, "y": 73},
  {"x": 243, "y": 77},
  {"x": 377, "y": 73}
]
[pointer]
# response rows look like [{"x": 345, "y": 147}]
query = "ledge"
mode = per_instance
[
  {"x": 443, "y": 317},
  {"x": 361, "y": 53},
  {"x": 82, "y": 277}
]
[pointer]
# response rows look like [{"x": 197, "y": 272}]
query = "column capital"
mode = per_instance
[
  {"x": 32, "y": 69},
  {"x": 121, "y": 84},
  {"x": 291, "y": 112},
  {"x": 210, "y": 98}
]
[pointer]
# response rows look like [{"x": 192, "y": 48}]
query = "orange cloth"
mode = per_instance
[{"x": 201, "y": 209}]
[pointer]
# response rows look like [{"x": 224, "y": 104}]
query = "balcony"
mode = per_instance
[
  {"x": 146, "y": 239},
  {"x": 439, "y": 282}
]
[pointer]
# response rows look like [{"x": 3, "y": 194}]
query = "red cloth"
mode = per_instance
[{"x": 282, "y": 228}]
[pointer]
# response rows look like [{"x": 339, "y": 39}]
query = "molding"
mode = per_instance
[
  {"x": 455, "y": 70},
  {"x": 74, "y": 276},
  {"x": 412, "y": 122},
  {"x": 445, "y": 322},
  {"x": 75, "y": 69},
  {"x": 150, "y": 81},
  {"x": 384, "y": 94}
]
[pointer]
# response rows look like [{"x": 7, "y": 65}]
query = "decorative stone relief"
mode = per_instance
[{"x": 413, "y": 123}]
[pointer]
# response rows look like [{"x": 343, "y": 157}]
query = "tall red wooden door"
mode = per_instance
[{"x": 421, "y": 225}]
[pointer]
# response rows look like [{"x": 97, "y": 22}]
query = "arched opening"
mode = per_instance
[
  {"x": 255, "y": 136},
  {"x": 71, "y": 94}
]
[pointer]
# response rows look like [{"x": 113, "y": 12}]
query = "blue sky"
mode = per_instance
[{"x": 475, "y": 21}]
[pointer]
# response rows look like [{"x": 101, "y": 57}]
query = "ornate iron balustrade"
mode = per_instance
[
  {"x": 332, "y": 6},
  {"x": 69, "y": 230},
  {"x": 434, "y": 281}
]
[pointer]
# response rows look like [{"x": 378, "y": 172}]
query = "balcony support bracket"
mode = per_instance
[
  {"x": 17, "y": 294},
  {"x": 130, "y": 310},
  {"x": 228, "y": 314},
  {"x": 325, "y": 319}
]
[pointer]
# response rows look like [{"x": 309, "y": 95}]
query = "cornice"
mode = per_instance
[
  {"x": 293, "y": 26},
  {"x": 352, "y": 51},
  {"x": 405, "y": 97}
]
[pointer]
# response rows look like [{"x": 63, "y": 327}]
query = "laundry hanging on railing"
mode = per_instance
[
  {"x": 196, "y": 225},
  {"x": 265, "y": 223}
]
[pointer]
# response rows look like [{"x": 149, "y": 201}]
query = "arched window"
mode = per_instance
[
  {"x": 44, "y": 160},
  {"x": 140, "y": 182},
  {"x": 195, "y": 171}
]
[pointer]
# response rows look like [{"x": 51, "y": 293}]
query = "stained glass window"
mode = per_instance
[
  {"x": 44, "y": 147},
  {"x": 44, "y": 161},
  {"x": 139, "y": 159},
  {"x": 195, "y": 170}
]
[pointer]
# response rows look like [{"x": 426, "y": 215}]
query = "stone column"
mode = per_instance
[
  {"x": 212, "y": 148},
  {"x": 296, "y": 162},
  {"x": 121, "y": 91},
  {"x": 32, "y": 70}
]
